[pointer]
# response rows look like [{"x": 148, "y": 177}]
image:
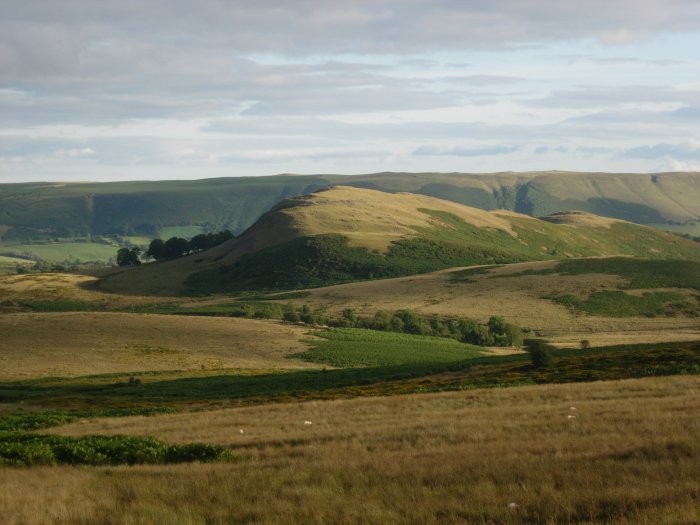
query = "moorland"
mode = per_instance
[{"x": 357, "y": 356}]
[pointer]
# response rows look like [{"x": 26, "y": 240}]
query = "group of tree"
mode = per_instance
[
  {"x": 497, "y": 332},
  {"x": 174, "y": 247}
]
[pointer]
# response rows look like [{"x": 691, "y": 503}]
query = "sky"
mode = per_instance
[{"x": 94, "y": 90}]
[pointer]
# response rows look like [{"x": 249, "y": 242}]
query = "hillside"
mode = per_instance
[
  {"x": 347, "y": 234},
  {"x": 44, "y": 211}
]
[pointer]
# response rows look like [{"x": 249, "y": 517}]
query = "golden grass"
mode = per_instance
[
  {"x": 64, "y": 286},
  {"x": 519, "y": 298},
  {"x": 374, "y": 219},
  {"x": 74, "y": 344},
  {"x": 630, "y": 456}
]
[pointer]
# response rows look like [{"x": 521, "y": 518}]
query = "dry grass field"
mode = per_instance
[
  {"x": 624, "y": 452},
  {"x": 64, "y": 287},
  {"x": 84, "y": 343},
  {"x": 506, "y": 292}
]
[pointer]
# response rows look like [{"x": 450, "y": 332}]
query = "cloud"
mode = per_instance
[
  {"x": 334, "y": 86},
  {"x": 680, "y": 152},
  {"x": 465, "y": 152}
]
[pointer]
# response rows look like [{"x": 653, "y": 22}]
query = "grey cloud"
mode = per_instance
[
  {"x": 58, "y": 37},
  {"x": 541, "y": 150},
  {"x": 687, "y": 151},
  {"x": 597, "y": 96},
  {"x": 683, "y": 115},
  {"x": 465, "y": 152}
]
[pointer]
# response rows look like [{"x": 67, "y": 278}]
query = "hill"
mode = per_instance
[
  {"x": 133, "y": 211},
  {"x": 347, "y": 234}
]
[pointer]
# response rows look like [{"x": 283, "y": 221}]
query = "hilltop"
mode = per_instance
[
  {"x": 345, "y": 234},
  {"x": 102, "y": 215}
]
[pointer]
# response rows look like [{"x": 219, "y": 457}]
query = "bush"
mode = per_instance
[
  {"x": 22, "y": 449},
  {"x": 539, "y": 352}
]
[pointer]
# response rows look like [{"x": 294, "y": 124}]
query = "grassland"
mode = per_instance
[
  {"x": 357, "y": 347},
  {"x": 64, "y": 251},
  {"x": 81, "y": 343},
  {"x": 341, "y": 426},
  {"x": 522, "y": 293},
  {"x": 8, "y": 265},
  {"x": 609, "y": 452}
]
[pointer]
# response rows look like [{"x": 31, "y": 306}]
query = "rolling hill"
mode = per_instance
[
  {"x": 45, "y": 211},
  {"x": 345, "y": 234}
]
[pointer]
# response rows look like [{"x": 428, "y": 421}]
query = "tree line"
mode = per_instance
[
  {"x": 172, "y": 248},
  {"x": 496, "y": 332}
]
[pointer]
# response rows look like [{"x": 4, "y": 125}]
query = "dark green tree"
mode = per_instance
[
  {"x": 156, "y": 249},
  {"x": 176, "y": 247},
  {"x": 128, "y": 256}
]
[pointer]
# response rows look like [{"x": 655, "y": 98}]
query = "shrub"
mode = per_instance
[
  {"x": 539, "y": 352},
  {"x": 22, "y": 449},
  {"x": 585, "y": 344}
]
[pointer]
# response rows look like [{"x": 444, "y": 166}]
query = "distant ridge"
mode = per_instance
[{"x": 31, "y": 211}]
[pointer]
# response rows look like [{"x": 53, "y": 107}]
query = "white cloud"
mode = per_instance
[{"x": 164, "y": 88}]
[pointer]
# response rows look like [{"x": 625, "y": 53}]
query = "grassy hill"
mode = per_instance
[
  {"x": 50, "y": 211},
  {"x": 347, "y": 234}
]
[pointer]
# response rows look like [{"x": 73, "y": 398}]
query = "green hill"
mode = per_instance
[
  {"x": 346, "y": 234},
  {"x": 40, "y": 212}
]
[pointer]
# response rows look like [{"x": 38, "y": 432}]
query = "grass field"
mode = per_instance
[
  {"x": 623, "y": 452},
  {"x": 337, "y": 426},
  {"x": 64, "y": 251},
  {"x": 8, "y": 265},
  {"x": 357, "y": 347},
  {"x": 522, "y": 293},
  {"x": 82, "y": 343}
]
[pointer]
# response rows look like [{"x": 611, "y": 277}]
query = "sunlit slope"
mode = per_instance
[
  {"x": 347, "y": 234},
  {"x": 50, "y": 210},
  {"x": 641, "y": 198}
]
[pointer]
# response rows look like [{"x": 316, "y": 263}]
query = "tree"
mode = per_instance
[
  {"x": 176, "y": 247},
  {"x": 503, "y": 333},
  {"x": 201, "y": 242},
  {"x": 128, "y": 256},
  {"x": 473, "y": 333},
  {"x": 156, "y": 249}
]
